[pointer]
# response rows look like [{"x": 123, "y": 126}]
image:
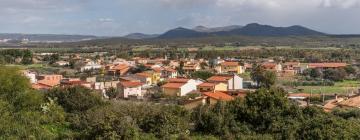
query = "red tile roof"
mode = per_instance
[
  {"x": 130, "y": 84},
  {"x": 173, "y": 85},
  {"x": 120, "y": 67},
  {"x": 206, "y": 84},
  {"x": 39, "y": 86},
  {"x": 219, "y": 78},
  {"x": 219, "y": 96},
  {"x": 351, "y": 102},
  {"x": 157, "y": 69},
  {"x": 178, "y": 80},
  {"x": 143, "y": 74},
  {"x": 269, "y": 65},
  {"x": 170, "y": 70},
  {"x": 230, "y": 64},
  {"x": 50, "y": 83},
  {"x": 327, "y": 65}
]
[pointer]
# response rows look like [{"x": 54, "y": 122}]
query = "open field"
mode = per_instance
[{"x": 341, "y": 88}]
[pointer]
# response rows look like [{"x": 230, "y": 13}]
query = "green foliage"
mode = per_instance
[
  {"x": 75, "y": 99},
  {"x": 202, "y": 74},
  {"x": 25, "y": 114},
  {"x": 10, "y": 56},
  {"x": 335, "y": 74},
  {"x": 262, "y": 77},
  {"x": 267, "y": 114},
  {"x": 52, "y": 58},
  {"x": 111, "y": 93}
]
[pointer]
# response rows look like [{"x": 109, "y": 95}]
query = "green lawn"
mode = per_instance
[{"x": 344, "y": 87}]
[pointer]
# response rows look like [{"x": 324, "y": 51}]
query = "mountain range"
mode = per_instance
[{"x": 253, "y": 29}]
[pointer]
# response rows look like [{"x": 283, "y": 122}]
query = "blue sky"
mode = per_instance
[{"x": 120, "y": 17}]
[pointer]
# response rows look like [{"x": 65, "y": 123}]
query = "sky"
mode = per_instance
[{"x": 121, "y": 17}]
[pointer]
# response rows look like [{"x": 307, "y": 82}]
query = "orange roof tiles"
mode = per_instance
[
  {"x": 351, "y": 102},
  {"x": 327, "y": 65},
  {"x": 143, "y": 74},
  {"x": 120, "y": 67},
  {"x": 39, "y": 86},
  {"x": 50, "y": 83},
  {"x": 230, "y": 64},
  {"x": 206, "y": 85},
  {"x": 269, "y": 65},
  {"x": 219, "y": 96},
  {"x": 130, "y": 84},
  {"x": 178, "y": 80},
  {"x": 170, "y": 70},
  {"x": 173, "y": 85},
  {"x": 219, "y": 78}
]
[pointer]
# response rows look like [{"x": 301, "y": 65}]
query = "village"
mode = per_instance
[{"x": 193, "y": 82}]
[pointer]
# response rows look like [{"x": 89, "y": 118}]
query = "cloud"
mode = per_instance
[
  {"x": 118, "y": 17},
  {"x": 106, "y": 20}
]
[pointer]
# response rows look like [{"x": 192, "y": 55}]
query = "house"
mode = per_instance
[
  {"x": 191, "y": 67},
  {"x": 90, "y": 66},
  {"x": 213, "y": 97},
  {"x": 49, "y": 80},
  {"x": 168, "y": 73},
  {"x": 180, "y": 86},
  {"x": 212, "y": 87},
  {"x": 352, "y": 102},
  {"x": 145, "y": 79},
  {"x": 270, "y": 66},
  {"x": 210, "y": 98},
  {"x": 295, "y": 66},
  {"x": 130, "y": 89},
  {"x": 62, "y": 63},
  {"x": 117, "y": 69},
  {"x": 323, "y": 66},
  {"x": 30, "y": 75},
  {"x": 230, "y": 68},
  {"x": 75, "y": 82},
  {"x": 234, "y": 82},
  {"x": 150, "y": 77},
  {"x": 39, "y": 86}
]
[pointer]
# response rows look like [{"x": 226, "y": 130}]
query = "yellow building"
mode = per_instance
[
  {"x": 230, "y": 67},
  {"x": 212, "y": 87}
]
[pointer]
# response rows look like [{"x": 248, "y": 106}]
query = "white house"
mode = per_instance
[
  {"x": 180, "y": 87},
  {"x": 90, "y": 66},
  {"x": 31, "y": 76},
  {"x": 234, "y": 81},
  {"x": 127, "y": 89}
]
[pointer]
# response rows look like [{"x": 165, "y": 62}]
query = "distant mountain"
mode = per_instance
[
  {"x": 140, "y": 36},
  {"x": 216, "y": 29},
  {"x": 182, "y": 33},
  {"x": 255, "y": 29},
  {"x": 252, "y": 29},
  {"x": 45, "y": 37}
]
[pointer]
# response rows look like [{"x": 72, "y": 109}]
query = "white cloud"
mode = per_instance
[{"x": 106, "y": 20}]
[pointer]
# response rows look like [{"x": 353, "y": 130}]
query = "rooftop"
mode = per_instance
[{"x": 219, "y": 96}]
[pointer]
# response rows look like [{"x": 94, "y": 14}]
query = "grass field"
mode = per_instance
[{"x": 344, "y": 87}]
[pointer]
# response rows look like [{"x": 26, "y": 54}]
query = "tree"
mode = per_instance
[
  {"x": 202, "y": 74},
  {"x": 257, "y": 73},
  {"x": 335, "y": 74},
  {"x": 315, "y": 73},
  {"x": 350, "y": 70},
  {"x": 111, "y": 93},
  {"x": 25, "y": 113},
  {"x": 75, "y": 99},
  {"x": 262, "y": 77}
]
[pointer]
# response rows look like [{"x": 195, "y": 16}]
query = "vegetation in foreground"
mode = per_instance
[{"x": 79, "y": 113}]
